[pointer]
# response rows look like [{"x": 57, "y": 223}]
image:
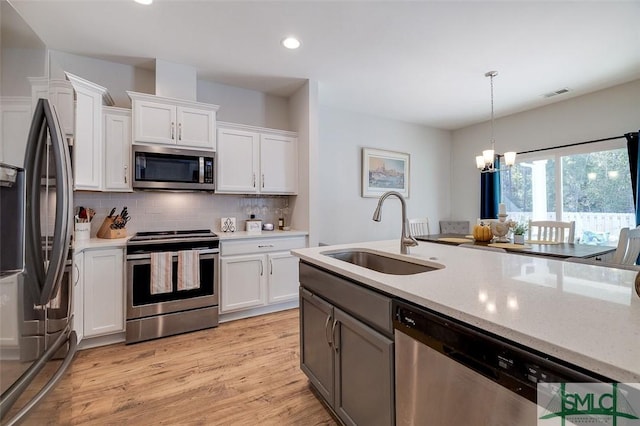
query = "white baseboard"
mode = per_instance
[{"x": 232, "y": 316}]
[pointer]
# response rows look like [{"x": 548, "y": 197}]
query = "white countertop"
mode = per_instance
[
  {"x": 586, "y": 315},
  {"x": 92, "y": 243}
]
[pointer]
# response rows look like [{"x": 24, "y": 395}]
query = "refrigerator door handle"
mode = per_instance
[
  {"x": 42, "y": 277},
  {"x": 62, "y": 227}
]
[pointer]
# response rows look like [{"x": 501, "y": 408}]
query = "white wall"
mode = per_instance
[
  {"x": 17, "y": 66},
  {"x": 303, "y": 107},
  {"x": 344, "y": 216},
  {"x": 246, "y": 106},
  {"x": 601, "y": 114},
  {"x": 116, "y": 78}
]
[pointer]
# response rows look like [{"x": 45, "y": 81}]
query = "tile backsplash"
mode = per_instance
[{"x": 162, "y": 211}]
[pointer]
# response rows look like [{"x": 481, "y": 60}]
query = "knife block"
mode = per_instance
[{"x": 105, "y": 230}]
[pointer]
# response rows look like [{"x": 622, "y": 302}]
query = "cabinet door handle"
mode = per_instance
[
  {"x": 125, "y": 175},
  {"x": 263, "y": 180},
  {"x": 265, "y": 245},
  {"x": 173, "y": 130},
  {"x": 254, "y": 180},
  {"x": 333, "y": 336},
  {"x": 326, "y": 330},
  {"x": 261, "y": 269},
  {"x": 77, "y": 274},
  {"x": 179, "y": 131},
  {"x": 270, "y": 267}
]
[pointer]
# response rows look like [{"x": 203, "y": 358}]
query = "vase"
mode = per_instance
[{"x": 518, "y": 239}]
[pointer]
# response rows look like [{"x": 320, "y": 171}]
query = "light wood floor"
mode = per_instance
[{"x": 244, "y": 372}]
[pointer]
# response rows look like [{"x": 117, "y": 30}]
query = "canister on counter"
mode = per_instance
[{"x": 254, "y": 225}]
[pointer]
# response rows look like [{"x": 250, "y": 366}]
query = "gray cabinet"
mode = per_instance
[
  {"x": 348, "y": 362},
  {"x": 363, "y": 377},
  {"x": 316, "y": 352}
]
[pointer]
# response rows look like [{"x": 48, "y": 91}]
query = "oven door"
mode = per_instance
[{"x": 142, "y": 303}]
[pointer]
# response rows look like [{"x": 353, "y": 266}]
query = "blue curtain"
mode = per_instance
[
  {"x": 490, "y": 193},
  {"x": 634, "y": 168}
]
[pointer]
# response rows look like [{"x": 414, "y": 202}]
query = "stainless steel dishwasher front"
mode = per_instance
[
  {"x": 432, "y": 389},
  {"x": 449, "y": 373}
]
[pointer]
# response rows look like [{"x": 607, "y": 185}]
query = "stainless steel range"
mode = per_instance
[{"x": 172, "y": 283}]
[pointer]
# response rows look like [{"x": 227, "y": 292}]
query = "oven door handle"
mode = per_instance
[{"x": 203, "y": 254}]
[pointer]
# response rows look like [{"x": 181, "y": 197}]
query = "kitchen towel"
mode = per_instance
[
  {"x": 161, "y": 266},
  {"x": 188, "y": 270}
]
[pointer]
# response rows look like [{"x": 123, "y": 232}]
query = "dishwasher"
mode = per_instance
[{"x": 450, "y": 373}]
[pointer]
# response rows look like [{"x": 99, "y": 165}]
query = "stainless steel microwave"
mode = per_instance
[{"x": 160, "y": 167}]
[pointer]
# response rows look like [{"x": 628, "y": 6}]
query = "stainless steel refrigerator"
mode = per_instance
[{"x": 36, "y": 214}]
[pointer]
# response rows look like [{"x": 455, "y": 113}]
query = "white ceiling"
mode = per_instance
[{"x": 418, "y": 61}]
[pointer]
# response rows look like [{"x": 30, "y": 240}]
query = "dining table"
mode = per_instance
[{"x": 560, "y": 250}]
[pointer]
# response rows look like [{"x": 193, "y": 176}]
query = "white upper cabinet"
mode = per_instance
[
  {"x": 154, "y": 122},
  {"x": 168, "y": 121},
  {"x": 196, "y": 127},
  {"x": 117, "y": 149},
  {"x": 60, "y": 93},
  {"x": 278, "y": 163},
  {"x": 88, "y": 150},
  {"x": 15, "y": 116},
  {"x": 254, "y": 160},
  {"x": 238, "y": 161}
]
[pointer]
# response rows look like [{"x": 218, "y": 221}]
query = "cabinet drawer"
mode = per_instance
[
  {"x": 367, "y": 305},
  {"x": 261, "y": 245}
]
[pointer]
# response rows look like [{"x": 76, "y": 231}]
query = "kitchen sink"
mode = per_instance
[{"x": 382, "y": 263}]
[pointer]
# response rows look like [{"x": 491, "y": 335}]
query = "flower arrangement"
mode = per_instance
[{"x": 519, "y": 228}]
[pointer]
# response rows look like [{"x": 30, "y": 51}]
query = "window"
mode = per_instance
[{"x": 589, "y": 184}]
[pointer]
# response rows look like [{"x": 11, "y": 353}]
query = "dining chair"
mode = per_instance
[
  {"x": 552, "y": 231},
  {"x": 480, "y": 247},
  {"x": 419, "y": 226},
  {"x": 454, "y": 227},
  {"x": 628, "y": 247}
]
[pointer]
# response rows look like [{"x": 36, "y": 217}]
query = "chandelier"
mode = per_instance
[{"x": 485, "y": 162}]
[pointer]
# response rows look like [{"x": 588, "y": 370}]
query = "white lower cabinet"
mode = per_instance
[
  {"x": 100, "y": 286},
  {"x": 283, "y": 277},
  {"x": 258, "y": 272},
  {"x": 77, "y": 295},
  {"x": 243, "y": 282}
]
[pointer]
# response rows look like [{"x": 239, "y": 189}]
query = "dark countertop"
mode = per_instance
[{"x": 561, "y": 250}]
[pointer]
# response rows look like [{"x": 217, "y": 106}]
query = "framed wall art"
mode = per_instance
[{"x": 384, "y": 171}]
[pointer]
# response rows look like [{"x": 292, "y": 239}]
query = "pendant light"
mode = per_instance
[{"x": 485, "y": 162}]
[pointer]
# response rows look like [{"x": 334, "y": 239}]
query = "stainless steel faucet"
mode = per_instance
[{"x": 406, "y": 240}]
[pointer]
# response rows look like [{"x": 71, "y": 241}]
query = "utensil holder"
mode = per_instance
[
  {"x": 105, "y": 230},
  {"x": 82, "y": 231}
]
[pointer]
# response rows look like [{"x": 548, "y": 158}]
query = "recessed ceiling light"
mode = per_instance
[
  {"x": 291, "y": 43},
  {"x": 145, "y": 2}
]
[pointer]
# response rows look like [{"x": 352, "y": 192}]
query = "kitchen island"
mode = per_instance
[
  {"x": 514, "y": 320},
  {"x": 586, "y": 315}
]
